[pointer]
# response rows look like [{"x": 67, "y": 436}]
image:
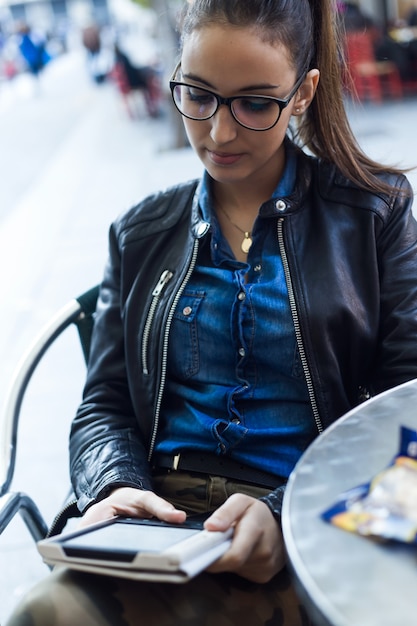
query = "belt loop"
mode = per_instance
[{"x": 176, "y": 461}]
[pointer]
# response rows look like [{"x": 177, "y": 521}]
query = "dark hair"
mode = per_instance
[{"x": 309, "y": 31}]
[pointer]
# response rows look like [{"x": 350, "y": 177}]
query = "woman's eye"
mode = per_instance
[
  {"x": 256, "y": 105},
  {"x": 200, "y": 97}
]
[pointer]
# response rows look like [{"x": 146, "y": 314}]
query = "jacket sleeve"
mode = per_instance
[
  {"x": 274, "y": 502},
  {"x": 106, "y": 449},
  {"x": 396, "y": 360}
]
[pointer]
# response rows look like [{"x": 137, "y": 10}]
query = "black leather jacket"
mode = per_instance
[{"x": 350, "y": 258}]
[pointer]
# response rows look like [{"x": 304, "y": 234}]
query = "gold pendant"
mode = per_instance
[{"x": 246, "y": 243}]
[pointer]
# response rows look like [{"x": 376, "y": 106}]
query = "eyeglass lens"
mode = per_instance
[{"x": 252, "y": 111}]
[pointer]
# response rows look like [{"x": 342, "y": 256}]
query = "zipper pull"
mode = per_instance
[{"x": 164, "y": 279}]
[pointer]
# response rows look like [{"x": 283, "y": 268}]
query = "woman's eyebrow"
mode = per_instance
[{"x": 248, "y": 88}]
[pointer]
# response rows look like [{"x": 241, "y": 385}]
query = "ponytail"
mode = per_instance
[{"x": 325, "y": 128}]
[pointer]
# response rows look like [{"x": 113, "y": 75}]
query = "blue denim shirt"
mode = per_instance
[{"x": 235, "y": 383}]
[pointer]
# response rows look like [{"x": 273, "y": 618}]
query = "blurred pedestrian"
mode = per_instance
[
  {"x": 99, "y": 58},
  {"x": 412, "y": 15},
  {"x": 353, "y": 17},
  {"x": 33, "y": 50}
]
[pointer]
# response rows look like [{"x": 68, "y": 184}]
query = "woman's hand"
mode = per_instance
[
  {"x": 131, "y": 502},
  {"x": 257, "y": 551}
]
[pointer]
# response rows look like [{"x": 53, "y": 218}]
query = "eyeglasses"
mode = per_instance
[{"x": 252, "y": 112}]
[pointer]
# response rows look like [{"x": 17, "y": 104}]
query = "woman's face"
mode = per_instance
[{"x": 234, "y": 61}]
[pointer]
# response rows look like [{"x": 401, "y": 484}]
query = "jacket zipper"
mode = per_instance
[
  {"x": 296, "y": 322},
  {"x": 69, "y": 511},
  {"x": 156, "y": 294},
  {"x": 164, "y": 358}
]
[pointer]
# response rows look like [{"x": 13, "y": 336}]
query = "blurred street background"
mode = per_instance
[{"x": 76, "y": 149}]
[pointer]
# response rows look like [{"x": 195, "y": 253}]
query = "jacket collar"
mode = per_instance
[
  {"x": 277, "y": 205},
  {"x": 199, "y": 225}
]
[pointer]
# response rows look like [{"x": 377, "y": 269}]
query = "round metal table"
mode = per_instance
[{"x": 345, "y": 579}]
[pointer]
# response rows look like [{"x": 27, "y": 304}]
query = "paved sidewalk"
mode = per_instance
[
  {"x": 388, "y": 133},
  {"x": 54, "y": 245}
]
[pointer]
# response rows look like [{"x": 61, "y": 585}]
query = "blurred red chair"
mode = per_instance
[
  {"x": 119, "y": 77},
  {"x": 150, "y": 91},
  {"x": 371, "y": 79}
]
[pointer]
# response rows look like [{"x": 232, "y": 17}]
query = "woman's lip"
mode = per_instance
[{"x": 223, "y": 158}]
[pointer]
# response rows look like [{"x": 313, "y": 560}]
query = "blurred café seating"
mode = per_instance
[{"x": 381, "y": 62}]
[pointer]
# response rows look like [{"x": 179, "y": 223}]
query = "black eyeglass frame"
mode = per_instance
[{"x": 282, "y": 103}]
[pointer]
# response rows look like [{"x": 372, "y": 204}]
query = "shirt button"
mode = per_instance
[
  {"x": 242, "y": 351},
  {"x": 187, "y": 311},
  {"x": 280, "y": 205},
  {"x": 242, "y": 295}
]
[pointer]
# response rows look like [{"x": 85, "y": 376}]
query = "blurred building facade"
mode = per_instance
[{"x": 52, "y": 15}]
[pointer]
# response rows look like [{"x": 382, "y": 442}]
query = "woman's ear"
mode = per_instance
[{"x": 306, "y": 92}]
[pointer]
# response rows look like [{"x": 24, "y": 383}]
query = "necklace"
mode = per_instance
[{"x": 247, "y": 239}]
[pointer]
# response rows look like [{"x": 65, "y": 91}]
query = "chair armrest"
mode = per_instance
[{"x": 18, "y": 502}]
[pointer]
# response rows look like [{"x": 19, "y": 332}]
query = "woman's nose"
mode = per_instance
[{"x": 223, "y": 126}]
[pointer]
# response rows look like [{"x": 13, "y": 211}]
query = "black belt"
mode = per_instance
[{"x": 215, "y": 466}]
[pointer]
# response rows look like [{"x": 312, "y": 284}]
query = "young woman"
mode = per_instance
[{"x": 238, "y": 317}]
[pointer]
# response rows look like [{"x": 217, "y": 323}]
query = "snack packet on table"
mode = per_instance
[{"x": 386, "y": 507}]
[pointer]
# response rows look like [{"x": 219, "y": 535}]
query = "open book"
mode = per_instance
[{"x": 139, "y": 549}]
